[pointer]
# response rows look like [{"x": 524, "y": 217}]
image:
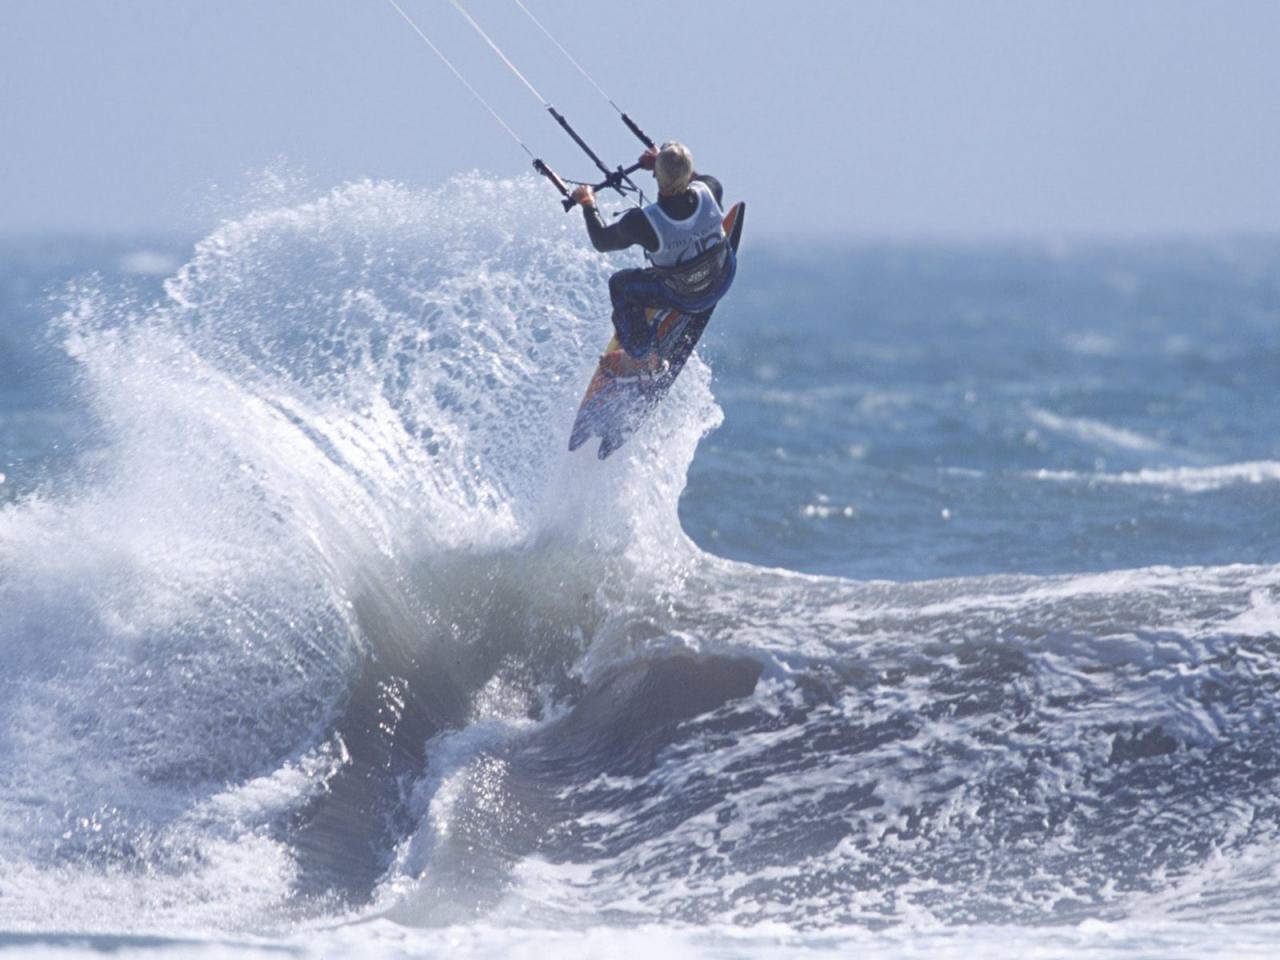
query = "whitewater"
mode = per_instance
[{"x": 937, "y": 613}]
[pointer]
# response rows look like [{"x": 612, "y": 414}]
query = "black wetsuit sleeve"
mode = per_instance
[{"x": 631, "y": 228}]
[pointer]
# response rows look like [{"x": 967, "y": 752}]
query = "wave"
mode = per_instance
[
  {"x": 1187, "y": 479},
  {"x": 328, "y": 623},
  {"x": 1095, "y": 432},
  {"x": 328, "y": 465}
]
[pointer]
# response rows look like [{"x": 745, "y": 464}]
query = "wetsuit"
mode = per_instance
[{"x": 676, "y": 232}]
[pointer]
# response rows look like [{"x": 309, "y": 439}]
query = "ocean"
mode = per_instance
[{"x": 936, "y": 613}]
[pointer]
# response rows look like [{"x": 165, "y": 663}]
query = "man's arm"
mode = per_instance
[{"x": 631, "y": 228}]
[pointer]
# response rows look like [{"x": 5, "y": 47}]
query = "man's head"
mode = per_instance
[{"x": 673, "y": 168}]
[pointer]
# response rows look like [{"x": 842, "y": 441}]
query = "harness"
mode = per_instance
[
  {"x": 699, "y": 276},
  {"x": 702, "y": 231}
]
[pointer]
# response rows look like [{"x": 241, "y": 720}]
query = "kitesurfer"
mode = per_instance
[{"x": 692, "y": 263}]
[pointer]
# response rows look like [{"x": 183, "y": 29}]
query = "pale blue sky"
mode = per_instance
[{"x": 900, "y": 118}]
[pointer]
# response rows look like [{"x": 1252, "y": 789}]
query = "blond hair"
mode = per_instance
[{"x": 673, "y": 167}]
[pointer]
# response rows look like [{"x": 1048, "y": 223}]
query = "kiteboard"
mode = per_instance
[{"x": 624, "y": 391}]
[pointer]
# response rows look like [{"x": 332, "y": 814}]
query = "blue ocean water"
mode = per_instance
[{"x": 936, "y": 613}]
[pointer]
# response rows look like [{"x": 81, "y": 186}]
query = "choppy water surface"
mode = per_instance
[{"x": 937, "y": 614}]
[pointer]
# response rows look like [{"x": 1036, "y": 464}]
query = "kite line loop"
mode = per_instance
[
  {"x": 498, "y": 50},
  {"x": 617, "y": 178},
  {"x": 631, "y": 124},
  {"x": 474, "y": 92}
]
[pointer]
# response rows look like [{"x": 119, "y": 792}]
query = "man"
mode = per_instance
[{"x": 683, "y": 238}]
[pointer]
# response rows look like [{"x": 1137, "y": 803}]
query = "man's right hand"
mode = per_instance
[
  {"x": 648, "y": 158},
  {"x": 583, "y": 195}
]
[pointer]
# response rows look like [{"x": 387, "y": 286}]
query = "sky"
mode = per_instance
[{"x": 932, "y": 119}]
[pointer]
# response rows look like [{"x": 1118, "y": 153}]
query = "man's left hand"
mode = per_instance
[{"x": 583, "y": 195}]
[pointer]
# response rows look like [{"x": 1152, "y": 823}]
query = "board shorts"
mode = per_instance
[{"x": 632, "y": 291}]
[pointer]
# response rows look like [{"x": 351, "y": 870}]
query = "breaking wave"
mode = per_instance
[
  {"x": 329, "y": 622},
  {"x": 1186, "y": 479}
]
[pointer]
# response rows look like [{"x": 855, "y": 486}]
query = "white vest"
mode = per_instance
[{"x": 681, "y": 240}]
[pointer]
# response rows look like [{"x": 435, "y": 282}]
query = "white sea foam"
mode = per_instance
[
  {"x": 307, "y": 451},
  {"x": 333, "y": 540},
  {"x": 1187, "y": 479},
  {"x": 1096, "y": 432}
]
